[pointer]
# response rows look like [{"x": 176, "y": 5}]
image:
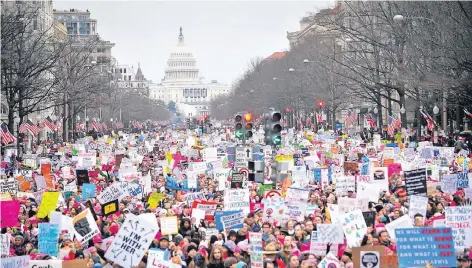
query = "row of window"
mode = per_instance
[{"x": 182, "y": 74}]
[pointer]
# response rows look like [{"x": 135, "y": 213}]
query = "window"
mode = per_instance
[
  {"x": 130, "y": 78},
  {"x": 121, "y": 71},
  {"x": 124, "y": 70},
  {"x": 3, "y": 109}
]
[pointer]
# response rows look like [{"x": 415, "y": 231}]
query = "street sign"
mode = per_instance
[{"x": 242, "y": 156}]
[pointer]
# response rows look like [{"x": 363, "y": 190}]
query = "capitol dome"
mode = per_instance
[{"x": 181, "y": 65}]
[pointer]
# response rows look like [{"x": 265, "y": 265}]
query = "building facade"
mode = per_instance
[
  {"x": 126, "y": 77},
  {"x": 81, "y": 28},
  {"x": 183, "y": 85}
]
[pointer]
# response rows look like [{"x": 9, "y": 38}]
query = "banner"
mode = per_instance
[
  {"x": 48, "y": 239},
  {"x": 207, "y": 206},
  {"x": 45, "y": 263},
  {"x": 418, "y": 246},
  {"x": 85, "y": 226},
  {"x": 460, "y": 219},
  {"x": 132, "y": 240}
]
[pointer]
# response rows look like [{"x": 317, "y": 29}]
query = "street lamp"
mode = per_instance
[
  {"x": 306, "y": 61},
  {"x": 398, "y": 18},
  {"x": 402, "y": 110},
  {"x": 436, "y": 110},
  {"x": 376, "y": 111}
]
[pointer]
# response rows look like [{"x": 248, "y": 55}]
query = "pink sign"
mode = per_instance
[
  {"x": 253, "y": 206},
  {"x": 9, "y": 211},
  {"x": 394, "y": 169}
]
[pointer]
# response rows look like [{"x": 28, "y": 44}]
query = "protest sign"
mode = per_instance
[
  {"x": 354, "y": 227},
  {"x": 132, "y": 241},
  {"x": 9, "y": 211},
  {"x": 110, "y": 207},
  {"x": 88, "y": 191},
  {"x": 420, "y": 246},
  {"x": 273, "y": 209},
  {"x": 233, "y": 220},
  {"x": 237, "y": 180},
  {"x": 48, "y": 237},
  {"x": 236, "y": 199},
  {"x": 380, "y": 177},
  {"x": 448, "y": 183},
  {"x": 462, "y": 180},
  {"x": 85, "y": 226},
  {"x": 402, "y": 222},
  {"x": 417, "y": 206},
  {"x": 460, "y": 219},
  {"x": 155, "y": 256},
  {"x": 373, "y": 257},
  {"x": 154, "y": 199},
  {"x": 330, "y": 233},
  {"x": 45, "y": 263},
  {"x": 9, "y": 185},
  {"x": 132, "y": 189},
  {"x": 111, "y": 193},
  {"x": 48, "y": 204},
  {"x": 369, "y": 217},
  {"x": 211, "y": 232},
  {"x": 297, "y": 195},
  {"x": 191, "y": 197},
  {"x": 329, "y": 261},
  {"x": 5, "y": 244},
  {"x": 219, "y": 222},
  {"x": 415, "y": 181},
  {"x": 16, "y": 262},
  {"x": 207, "y": 206},
  {"x": 295, "y": 211},
  {"x": 77, "y": 263},
  {"x": 169, "y": 225},
  {"x": 319, "y": 248},
  {"x": 82, "y": 176}
]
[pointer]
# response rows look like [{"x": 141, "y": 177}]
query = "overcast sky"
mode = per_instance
[{"x": 222, "y": 35}]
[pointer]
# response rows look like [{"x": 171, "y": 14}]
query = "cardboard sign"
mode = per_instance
[
  {"x": 48, "y": 204},
  {"x": 169, "y": 225},
  {"x": 9, "y": 185},
  {"x": 4, "y": 245},
  {"x": 460, "y": 219},
  {"x": 110, "y": 193},
  {"x": 373, "y": 257},
  {"x": 132, "y": 241},
  {"x": 354, "y": 227},
  {"x": 330, "y": 233},
  {"x": 17, "y": 262},
  {"x": 82, "y": 176},
  {"x": 415, "y": 181}
]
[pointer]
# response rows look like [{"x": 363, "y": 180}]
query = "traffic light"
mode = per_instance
[
  {"x": 248, "y": 125},
  {"x": 272, "y": 128},
  {"x": 321, "y": 104},
  {"x": 238, "y": 126},
  {"x": 207, "y": 119}
]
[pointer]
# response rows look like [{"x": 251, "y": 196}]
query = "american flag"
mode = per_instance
[
  {"x": 319, "y": 117},
  {"x": 7, "y": 137},
  {"x": 48, "y": 123},
  {"x": 397, "y": 121},
  {"x": 59, "y": 123},
  {"x": 95, "y": 126},
  {"x": 430, "y": 122},
  {"x": 370, "y": 120},
  {"x": 31, "y": 127},
  {"x": 350, "y": 118},
  {"x": 391, "y": 126},
  {"x": 104, "y": 126},
  {"x": 80, "y": 127}
]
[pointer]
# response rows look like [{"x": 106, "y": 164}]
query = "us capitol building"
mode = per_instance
[{"x": 183, "y": 85}]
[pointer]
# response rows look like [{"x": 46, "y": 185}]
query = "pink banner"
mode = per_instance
[
  {"x": 394, "y": 169},
  {"x": 9, "y": 211}
]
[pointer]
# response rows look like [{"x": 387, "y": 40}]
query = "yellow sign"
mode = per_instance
[
  {"x": 5, "y": 197},
  {"x": 109, "y": 141},
  {"x": 110, "y": 208},
  {"x": 48, "y": 204},
  {"x": 154, "y": 199},
  {"x": 169, "y": 157},
  {"x": 284, "y": 158}
]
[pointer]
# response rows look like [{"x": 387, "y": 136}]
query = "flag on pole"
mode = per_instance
[
  {"x": 31, "y": 127},
  {"x": 391, "y": 126},
  {"x": 7, "y": 137},
  {"x": 319, "y": 117},
  {"x": 429, "y": 120},
  {"x": 397, "y": 121},
  {"x": 49, "y": 124},
  {"x": 95, "y": 126},
  {"x": 350, "y": 118},
  {"x": 467, "y": 112},
  {"x": 370, "y": 119}
]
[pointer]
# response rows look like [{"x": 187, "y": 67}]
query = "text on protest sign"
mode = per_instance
[
  {"x": 233, "y": 220},
  {"x": 415, "y": 182},
  {"x": 459, "y": 219},
  {"x": 236, "y": 199},
  {"x": 85, "y": 226}
]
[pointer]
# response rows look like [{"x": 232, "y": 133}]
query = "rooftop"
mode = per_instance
[
  {"x": 277, "y": 55},
  {"x": 72, "y": 10}
]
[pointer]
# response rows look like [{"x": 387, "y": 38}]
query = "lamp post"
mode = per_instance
[
  {"x": 376, "y": 112},
  {"x": 435, "y": 112}
]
